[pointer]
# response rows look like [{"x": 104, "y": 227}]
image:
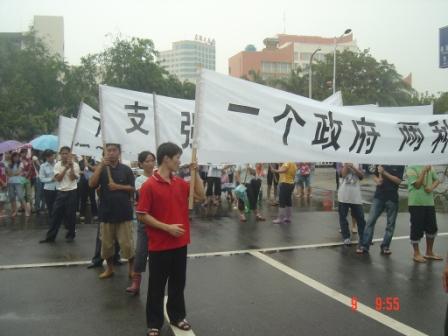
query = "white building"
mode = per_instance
[
  {"x": 51, "y": 30},
  {"x": 187, "y": 56}
]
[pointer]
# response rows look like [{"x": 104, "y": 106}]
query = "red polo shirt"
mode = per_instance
[{"x": 168, "y": 203}]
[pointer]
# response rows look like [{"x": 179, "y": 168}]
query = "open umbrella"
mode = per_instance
[
  {"x": 46, "y": 141},
  {"x": 10, "y": 145}
]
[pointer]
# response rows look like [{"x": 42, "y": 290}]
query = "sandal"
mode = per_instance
[
  {"x": 182, "y": 325},
  {"x": 153, "y": 332},
  {"x": 260, "y": 218}
]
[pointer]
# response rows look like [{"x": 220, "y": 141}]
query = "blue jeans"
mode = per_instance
[
  {"x": 357, "y": 213},
  {"x": 378, "y": 207}
]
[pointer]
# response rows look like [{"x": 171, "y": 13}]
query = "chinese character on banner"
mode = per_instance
[
  {"x": 82, "y": 145},
  {"x": 328, "y": 131},
  {"x": 411, "y": 135},
  {"x": 99, "y": 126},
  {"x": 364, "y": 138},
  {"x": 286, "y": 112},
  {"x": 186, "y": 128},
  {"x": 136, "y": 126},
  {"x": 442, "y": 135}
]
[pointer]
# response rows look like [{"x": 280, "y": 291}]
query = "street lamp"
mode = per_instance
[
  {"x": 310, "y": 91},
  {"x": 347, "y": 31}
]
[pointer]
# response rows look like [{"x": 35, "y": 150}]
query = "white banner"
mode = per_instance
[
  {"x": 335, "y": 99},
  {"x": 239, "y": 121},
  {"x": 127, "y": 118},
  {"x": 87, "y": 138},
  {"x": 175, "y": 119},
  {"x": 406, "y": 110},
  {"x": 66, "y": 131}
]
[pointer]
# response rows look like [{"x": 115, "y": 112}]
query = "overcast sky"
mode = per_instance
[{"x": 404, "y": 32}]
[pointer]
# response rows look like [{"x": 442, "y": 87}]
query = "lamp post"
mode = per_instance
[
  {"x": 347, "y": 31},
  {"x": 310, "y": 90}
]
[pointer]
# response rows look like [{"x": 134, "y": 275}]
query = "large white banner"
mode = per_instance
[
  {"x": 239, "y": 121},
  {"x": 87, "y": 138},
  {"x": 175, "y": 120},
  {"x": 66, "y": 131},
  {"x": 406, "y": 110},
  {"x": 335, "y": 99},
  {"x": 127, "y": 118}
]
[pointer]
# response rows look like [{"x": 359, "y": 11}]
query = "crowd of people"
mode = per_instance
[{"x": 159, "y": 198}]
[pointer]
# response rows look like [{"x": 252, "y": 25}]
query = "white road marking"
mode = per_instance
[
  {"x": 176, "y": 331},
  {"x": 208, "y": 254},
  {"x": 361, "y": 308}
]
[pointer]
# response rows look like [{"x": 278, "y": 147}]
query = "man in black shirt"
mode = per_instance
[
  {"x": 387, "y": 179},
  {"x": 116, "y": 182}
]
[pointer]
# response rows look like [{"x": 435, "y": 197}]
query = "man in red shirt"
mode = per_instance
[{"x": 163, "y": 207}]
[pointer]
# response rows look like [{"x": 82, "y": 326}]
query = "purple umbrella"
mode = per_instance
[{"x": 10, "y": 145}]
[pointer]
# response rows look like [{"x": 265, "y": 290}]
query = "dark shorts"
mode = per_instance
[{"x": 423, "y": 220}]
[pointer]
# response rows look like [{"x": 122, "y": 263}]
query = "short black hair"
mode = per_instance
[
  {"x": 143, "y": 155},
  {"x": 114, "y": 144},
  {"x": 167, "y": 149},
  {"x": 65, "y": 148},
  {"x": 48, "y": 153}
]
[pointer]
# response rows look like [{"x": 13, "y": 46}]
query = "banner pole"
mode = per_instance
[
  {"x": 156, "y": 121},
  {"x": 198, "y": 108},
  {"x": 109, "y": 174}
]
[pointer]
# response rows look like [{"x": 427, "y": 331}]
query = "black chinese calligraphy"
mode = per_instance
[
  {"x": 82, "y": 145},
  {"x": 442, "y": 135},
  {"x": 99, "y": 126},
  {"x": 137, "y": 126},
  {"x": 328, "y": 131},
  {"x": 364, "y": 138},
  {"x": 187, "y": 128},
  {"x": 286, "y": 112},
  {"x": 411, "y": 135}
]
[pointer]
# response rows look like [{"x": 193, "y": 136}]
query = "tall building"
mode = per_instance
[
  {"x": 284, "y": 53},
  {"x": 50, "y": 29},
  {"x": 187, "y": 56}
]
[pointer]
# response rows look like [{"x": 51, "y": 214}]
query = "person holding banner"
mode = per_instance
[
  {"x": 116, "y": 182},
  {"x": 422, "y": 180},
  {"x": 349, "y": 197},
  {"x": 66, "y": 172},
  {"x": 163, "y": 208},
  {"x": 146, "y": 161},
  {"x": 287, "y": 173},
  {"x": 387, "y": 179}
]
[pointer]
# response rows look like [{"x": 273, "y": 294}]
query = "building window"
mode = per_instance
[{"x": 305, "y": 56}]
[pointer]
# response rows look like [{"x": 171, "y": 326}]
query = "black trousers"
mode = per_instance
[
  {"x": 285, "y": 194},
  {"x": 252, "y": 191},
  {"x": 64, "y": 209},
  {"x": 213, "y": 186},
  {"x": 50, "y": 197},
  {"x": 97, "y": 257},
  {"x": 85, "y": 192},
  {"x": 166, "y": 266}
]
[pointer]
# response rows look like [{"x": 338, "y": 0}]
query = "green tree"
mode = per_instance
[{"x": 31, "y": 89}]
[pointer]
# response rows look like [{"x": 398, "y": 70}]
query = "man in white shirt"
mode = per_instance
[
  {"x": 66, "y": 173},
  {"x": 46, "y": 176}
]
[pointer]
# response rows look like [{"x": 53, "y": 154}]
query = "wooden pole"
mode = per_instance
[{"x": 194, "y": 158}]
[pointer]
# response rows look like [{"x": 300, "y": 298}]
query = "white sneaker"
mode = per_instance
[{"x": 347, "y": 241}]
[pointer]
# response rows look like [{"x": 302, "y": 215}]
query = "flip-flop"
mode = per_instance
[
  {"x": 419, "y": 260},
  {"x": 433, "y": 257},
  {"x": 182, "y": 325}
]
